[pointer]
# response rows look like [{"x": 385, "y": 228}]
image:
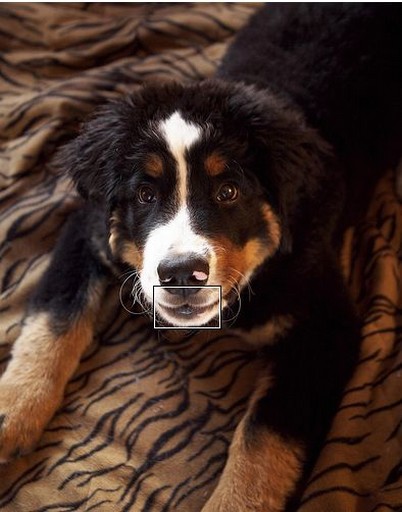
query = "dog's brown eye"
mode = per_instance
[
  {"x": 146, "y": 194},
  {"x": 227, "y": 193}
]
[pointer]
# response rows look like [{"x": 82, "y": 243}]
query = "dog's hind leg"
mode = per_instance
[{"x": 56, "y": 331}]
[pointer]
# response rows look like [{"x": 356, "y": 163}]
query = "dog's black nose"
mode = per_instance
[{"x": 183, "y": 270}]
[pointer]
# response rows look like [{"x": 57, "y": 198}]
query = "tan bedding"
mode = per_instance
[{"x": 146, "y": 421}]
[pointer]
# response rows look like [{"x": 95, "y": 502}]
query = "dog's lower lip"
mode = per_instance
[{"x": 188, "y": 309}]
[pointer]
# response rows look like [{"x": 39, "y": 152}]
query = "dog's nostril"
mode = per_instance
[
  {"x": 165, "y": 280},
  {"x": 183, "y": 270},
  {"x": 199, "y": 276}
]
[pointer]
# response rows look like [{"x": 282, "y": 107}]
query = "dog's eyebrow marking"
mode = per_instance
[
  {"x": 180, "y": 135},
  {"x": 154, "y": 165},
  {"x": 215, "y": 164}
]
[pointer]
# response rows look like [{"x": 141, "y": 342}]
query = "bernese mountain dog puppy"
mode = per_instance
[{"x": 240, "y": 180}]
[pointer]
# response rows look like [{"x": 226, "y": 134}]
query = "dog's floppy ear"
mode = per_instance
[
  {"x": 295, "y": 158},
  {"x": 92, "y": 158},
  {"x": 291, "y": 156}
]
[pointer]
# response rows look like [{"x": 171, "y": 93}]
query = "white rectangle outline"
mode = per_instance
[{"x": 187, "y": 327}]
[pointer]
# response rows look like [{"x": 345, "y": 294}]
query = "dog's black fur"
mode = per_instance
[
  {"x": 339, "y": 64},
  {"x": 307, "y": 98}
]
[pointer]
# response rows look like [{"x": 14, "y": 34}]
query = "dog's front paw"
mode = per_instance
[
  {"x": 220, "y": 503},
  {"x": 234, "y": 496},
  {"x": 237, "y": 495},
  {"x": 22, "y": 421},
  {"x": 261, "y": 472}
]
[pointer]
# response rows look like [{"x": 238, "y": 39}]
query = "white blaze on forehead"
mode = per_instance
[
  {"x": 180, "y": 135},
  {"x": 177, "y": 236}
]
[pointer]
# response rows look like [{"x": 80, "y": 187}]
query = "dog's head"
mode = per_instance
[{"x": 202, "y": 184}]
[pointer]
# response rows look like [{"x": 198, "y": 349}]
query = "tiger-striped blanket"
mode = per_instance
[{"x": 146, "y": 421}]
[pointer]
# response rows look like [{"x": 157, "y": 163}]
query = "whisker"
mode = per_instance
[
  {"x": 246, "y": 282},
  {"x": 131, "y": 272},
  {"x": 220, "y": 248},
  {"x": 235, "y": 287},
  {"x": 137, "y": 295}
]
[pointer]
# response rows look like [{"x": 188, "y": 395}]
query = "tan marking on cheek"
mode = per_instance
[
  {"x": 236, "y": 264},
  {"x": 254, "y": 253},
  {"x": 113, "y": 233},
  {"x": 154, "y": 165},
  {"x": 113, "y": 240},
  {"x": 273, "y": 226},
  {"x": 215, "y": 164},
  {"x": 132, "y": 255},
  {"x": 125, "y": 250}
]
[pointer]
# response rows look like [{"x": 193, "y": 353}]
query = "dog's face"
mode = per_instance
[
  {"x": 191, "y": 214},
  {"x": 192, "y": 190}
]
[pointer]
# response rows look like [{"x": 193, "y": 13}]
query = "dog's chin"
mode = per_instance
[{"x": 187, "y": 315}]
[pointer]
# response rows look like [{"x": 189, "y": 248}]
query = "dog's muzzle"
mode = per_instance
[{"x": 183, "y": 297}]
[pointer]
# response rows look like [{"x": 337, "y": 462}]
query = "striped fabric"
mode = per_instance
[{"x": 147, "y": 419}]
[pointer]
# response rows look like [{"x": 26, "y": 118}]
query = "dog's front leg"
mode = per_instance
[
  {"x": 262, "y": 469},
  {"x": 57, "y": 330},
  {"x": 287, "y": 419},
  {"x": 32, "y": 386}
]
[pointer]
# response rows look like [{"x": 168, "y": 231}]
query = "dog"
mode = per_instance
[{"x": 239, "y": 181}]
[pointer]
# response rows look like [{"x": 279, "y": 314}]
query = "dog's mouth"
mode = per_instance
[
  {"x": 187, "y": 309},
  {"x": 188, "y": 314}
]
